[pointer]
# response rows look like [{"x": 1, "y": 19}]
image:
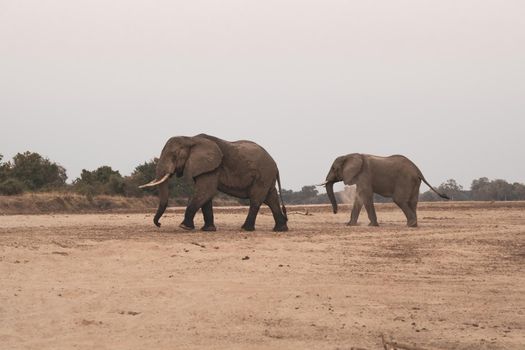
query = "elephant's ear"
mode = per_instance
[
  {"x": 351, "y": 168},
  {"x": 205, "y": 156}
]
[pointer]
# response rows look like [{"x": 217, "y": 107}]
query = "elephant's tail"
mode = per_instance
[
  {"x": 442, "y": 195},
  {"x": 281, "y": 196}
]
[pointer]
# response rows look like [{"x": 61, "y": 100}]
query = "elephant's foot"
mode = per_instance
[
  {"x": 187, "y": 227},
  {"x": 351, "y": 223},
  {"x": 280, "y": 228},
  {"x": 248, "y": 227},
  {"x": 209, "y": 228},
  {"x": 412, "y": 224},
  {"x": 373, "y": 224}
]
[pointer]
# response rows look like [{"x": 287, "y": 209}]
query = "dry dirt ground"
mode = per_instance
[{"x": 115, "y": 281}]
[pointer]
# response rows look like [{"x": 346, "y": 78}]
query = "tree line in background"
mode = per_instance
[{"x": 31, "y": 172}]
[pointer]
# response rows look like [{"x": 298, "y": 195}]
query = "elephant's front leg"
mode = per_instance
[
  {"x": 205, "y": 189},
  {"x": 356, "y": 209},
  {"x": 207, "y": 212},
  {"x": 371, "y": 211}
]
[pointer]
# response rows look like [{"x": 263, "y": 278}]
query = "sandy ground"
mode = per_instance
[{"x": 115, "y": 281}]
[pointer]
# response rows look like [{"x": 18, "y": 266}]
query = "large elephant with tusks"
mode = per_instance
[{"x": 242, "y": 169}]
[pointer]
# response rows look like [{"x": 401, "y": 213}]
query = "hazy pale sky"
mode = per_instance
[{"x": 91, "y": 83}]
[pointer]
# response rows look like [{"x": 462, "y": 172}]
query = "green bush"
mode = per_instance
[
  {"x": 115, "y": 184},
  {"x": 4, "y": 169},
  {"x": 37, "y": 172},
  {"x": 11, "y": 187},
  {"x": 103, "y": 180}
]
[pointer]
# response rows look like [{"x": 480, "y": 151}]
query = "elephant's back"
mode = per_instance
[
  {"x": 398, "y": 163},
  {"x": 404, "y": 161},
  {"x": 245, "y": 164},
  {"x": 242, "y": 151},
  {"x": 253, "y": 153}
]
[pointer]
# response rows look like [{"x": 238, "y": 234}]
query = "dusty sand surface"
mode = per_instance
[{"x": 115, "y": 281}]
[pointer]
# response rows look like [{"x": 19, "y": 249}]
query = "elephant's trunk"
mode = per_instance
[
  {"x": 163, "y": 202},
  {"x": 331, "y": 195}
]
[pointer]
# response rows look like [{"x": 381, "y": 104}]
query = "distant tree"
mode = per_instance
[
  {"x": 102, "y": 174},
  {"x": 501, "y": 190},
  {"x": 35, "y": 171},
  {"x": 4, "y": 169},
  {"x": 308, "y": 192},
  {"x": 11, "y": 187},
  {"x": 142, "y": 174},
  {"x": 103, "y": 180},
  {"x": 451, "y": 185},
  {"x": 321, "y": 198},
  {"x": 497, "y": 190},
  {"x": 147, "y": 171},
  {"x": 307, "y": 195},
  {"x": 480, "y": 189},
  {"x": 453, "y": 190},
  {"x": 289, "y": 196},
  {"x": 428, "y": 196},
  {"x": 519, "y": 191}
]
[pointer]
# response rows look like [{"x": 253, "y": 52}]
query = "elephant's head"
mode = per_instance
[
  {"x": 344, "y": 168},
  {"x": 189, "y": 156}
]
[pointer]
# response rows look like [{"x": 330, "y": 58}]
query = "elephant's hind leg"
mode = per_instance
[
  {"x": 410, "y": 214},
  {"x": 413, "y": 206},
  {"x": 272, "y": 200},
  {"x": 257, "y": 195},
  {"x": 249, "y": 223}
]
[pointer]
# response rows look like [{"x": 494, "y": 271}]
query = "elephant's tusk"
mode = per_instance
[
  {"x": 155, "y": 183},
  {"x": 323, "y": 184}
]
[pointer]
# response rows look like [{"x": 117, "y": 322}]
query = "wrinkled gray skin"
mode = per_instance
[
  {"x": 395, "y": 176},
  {"x": 241, "y": 169}
]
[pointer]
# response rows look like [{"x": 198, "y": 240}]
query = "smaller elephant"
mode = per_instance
[{"x": 395, "y": 176}]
